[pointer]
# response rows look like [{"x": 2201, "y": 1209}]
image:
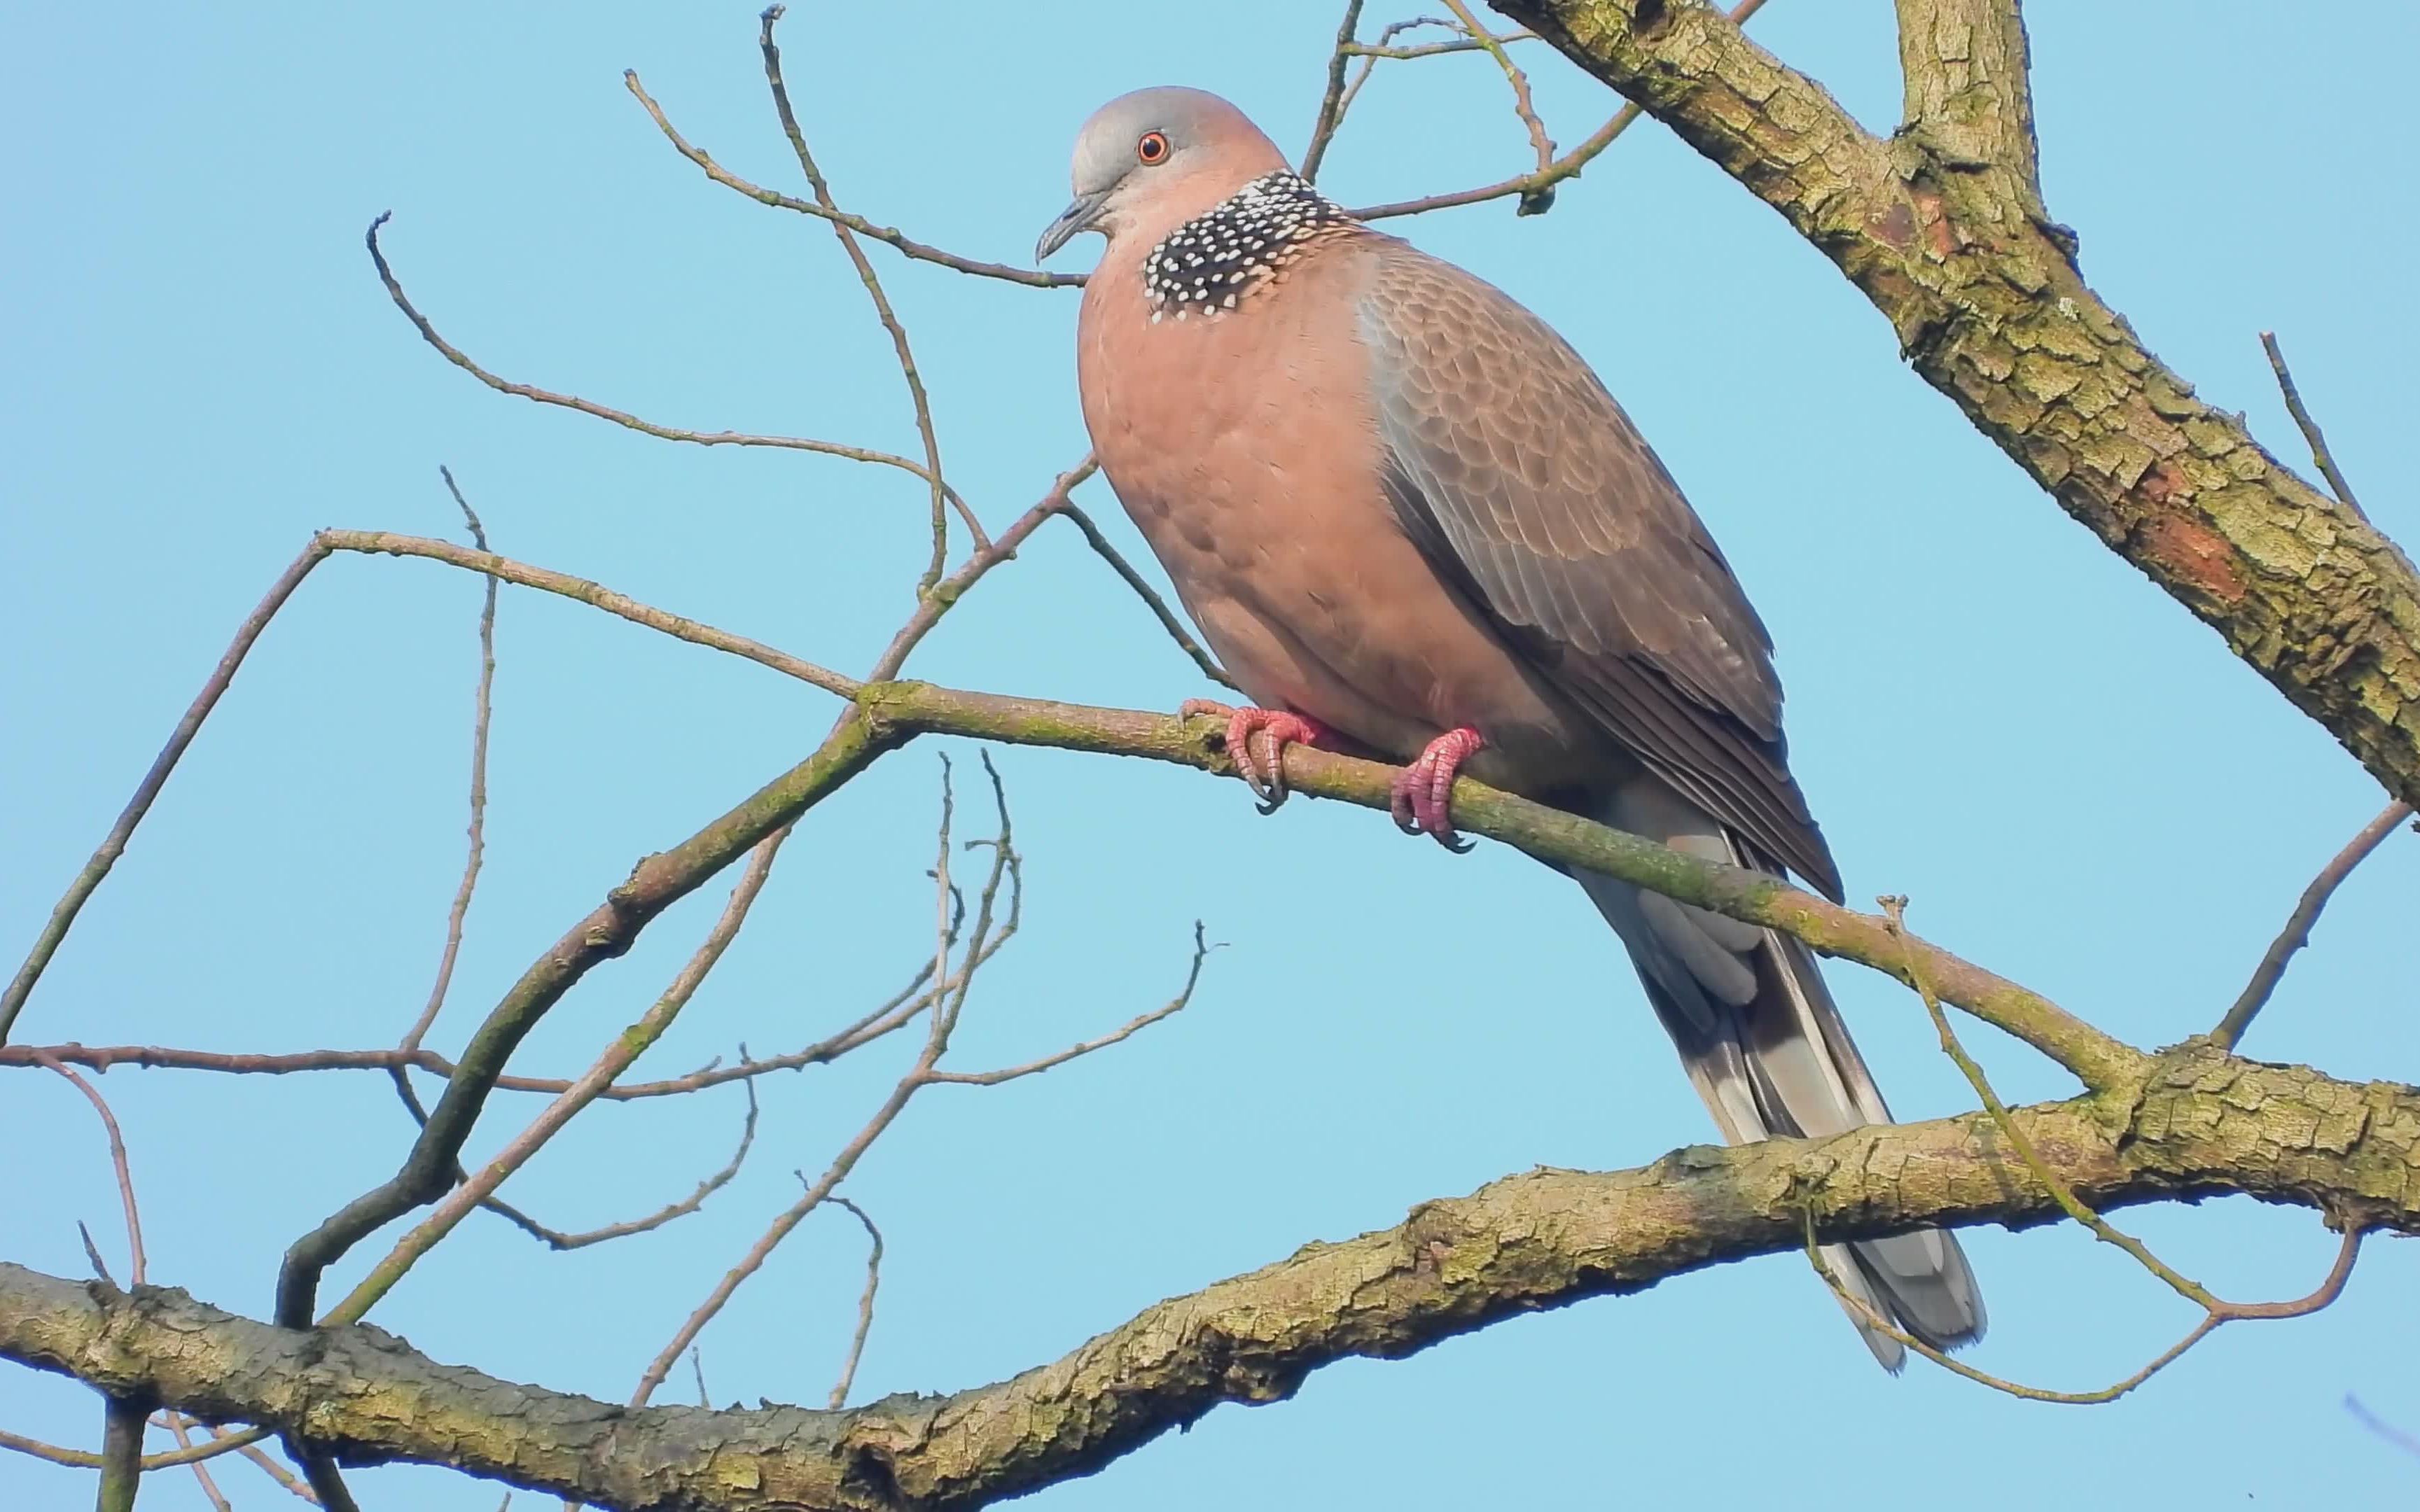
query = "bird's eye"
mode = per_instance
[{"x": 1152, "y": 149}]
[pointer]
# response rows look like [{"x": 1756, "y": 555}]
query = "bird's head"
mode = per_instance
[{"x": 1152, "y": 159}]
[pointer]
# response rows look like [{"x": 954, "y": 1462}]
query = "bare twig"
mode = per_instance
[
  {"x": 625, "y": 1048},
  {"x": 1406, "y": 54},
  {"x": 2297, "y": 932},
  {"x": 460, "y": 358},
  {"x": 270, "y": 1467},
  {"x": 865, "y": 1305},
  {"x": 888, "y": 236},
  {"x": 897, "y": 333},
  {"x": 1895, "y": 911},
  {"x": 178, "y": 1424},
  {"x": 942, "y": 1021},
  {"x": 686, "y": 1206},
  {"x": 1536, "y": 188},
  {"x": 1331, "y": 103},
  {"x": 1143, "y": 590},
  {"x": 1537, "y": 201},
  {"x": 697, "y": 1363},
  {"x": 2220, "y": 1314},
  {"x": 931, "y": 606},
  {"x": 562, "y": 583},
  {"x": 482, "y": 710},
  {"x": 63, "y": 916},
  {"x": 2309, "y": 427},
  {"x": 123, "y": 1420},
  {"x": 482, "y": 705},
  {"x": 136, "y": 1264},
  {"x": 87, "y": 1459},
  {"x": 1132, "y": 1027}
]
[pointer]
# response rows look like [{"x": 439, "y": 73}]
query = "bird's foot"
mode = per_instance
[
  {"x": 1263, "y": 771},
  {"x": 1422, "y": 792}
]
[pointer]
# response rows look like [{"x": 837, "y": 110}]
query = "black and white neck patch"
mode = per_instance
[{"x": 1209, "y": 263}]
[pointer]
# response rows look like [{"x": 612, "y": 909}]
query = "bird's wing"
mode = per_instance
[{"x": 1530, "y": 490}]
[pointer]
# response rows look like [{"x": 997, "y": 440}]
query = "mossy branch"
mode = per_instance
[
  {"x": 2203, "y": 1123},
  {"x": 1951, "y": 243}
]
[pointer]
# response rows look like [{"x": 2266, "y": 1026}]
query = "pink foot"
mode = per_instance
[
  {"x": 1422, "y": 792},
  {"x": 1280, "y": 729}
]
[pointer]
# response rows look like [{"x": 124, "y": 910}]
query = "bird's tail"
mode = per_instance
[{"x": 1766, "y": 1048}]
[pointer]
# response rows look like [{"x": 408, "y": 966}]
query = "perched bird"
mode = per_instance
[{"x": 1408, "y": 517}]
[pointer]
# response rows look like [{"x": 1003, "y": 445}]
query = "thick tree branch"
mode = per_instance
[
  {"x": 2203, "y": 1124},
  {"x": 1989, "y": 307}
]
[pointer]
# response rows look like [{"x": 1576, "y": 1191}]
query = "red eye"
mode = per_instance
[{"x": 1152, "y": 149}]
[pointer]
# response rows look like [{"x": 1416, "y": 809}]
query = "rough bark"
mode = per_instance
[
  {"x": 2199, "y": 1124},
  {"x": 1941, "y": 229}
]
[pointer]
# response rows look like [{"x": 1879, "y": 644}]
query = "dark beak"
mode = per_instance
[{"x": 1074, "y": 218}]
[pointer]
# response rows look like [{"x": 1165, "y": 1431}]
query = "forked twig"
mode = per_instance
[
  {"x": 888, "y": 236},
  {"x": 1537, "y": 201},
  {"x": 429, "y": 333},
  {"x": 1536, "y": 188}
]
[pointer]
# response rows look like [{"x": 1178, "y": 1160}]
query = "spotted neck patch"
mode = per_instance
[{"x": 1207, "y": 265}]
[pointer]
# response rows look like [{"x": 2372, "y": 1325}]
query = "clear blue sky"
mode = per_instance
[{"x": 2075, "y": 782}]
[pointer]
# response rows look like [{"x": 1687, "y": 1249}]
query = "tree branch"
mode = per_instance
[
  {"x": 1968, "y": 89},
  {"x": 2204, "y": 1123},
  {"x": 2297, "y": 932},
  {"x": 1990, "y": 309}
]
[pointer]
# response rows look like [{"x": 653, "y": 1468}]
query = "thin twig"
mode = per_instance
[
  {"x": 1331, "y": 102},
  {"x": 931, "y": 606},
  {"x": 697, "y": 1363},
  {"x": 686, "y": 1206},
  {"x": 178, "y": 1424},
  {"x": 874, "y": 1026},
  {"x": 136, "y": 1264},
  {"x": 897, "y": 333},
  {"x": 87, "y": 1459},
  {"x": 625, "y": 1048},
  {"x": 91, "y": 1250},
  {"x": 377, "y": 543},
  {"x": 1407, "y": 55},
  {"x": 865, "y": 1305},
  {"x": 63, "y": 915},
  {"x": 2310, "y": 428},
  {"x": 1537, "y": 201},
  {"x": 943, "y": 1018},
  {"x": 1127, "y": 1030},
  {"x": 482, "y": 711},
  {"x": 1143, "y": 590},
  {"x": 275, "y": 1471},
  {"x": 2297, "y": 932},
  {"x": 460, "y": 358},
  {"x": 482, "y": 705},
  {"x": 123, "y": 1420},
  {"x": 888, "y": 236},
  {"x": 1535, "y": 188},
  {"x": 2211, "y": 1321},
  {"x": 1895, "y": 911}
]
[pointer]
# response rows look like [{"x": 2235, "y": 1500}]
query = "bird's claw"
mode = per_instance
[
  {"x": 1263, "y": 774},
  {"x": 1421, "y": 795}
]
